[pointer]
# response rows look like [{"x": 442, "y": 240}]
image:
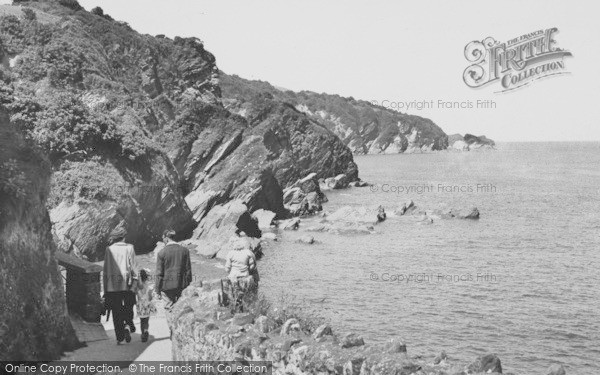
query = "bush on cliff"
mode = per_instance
[
  {"x": 12, "y": 180},
  {"x": 97, "y": 11},
  {"x": 29, "y": 14},
  {"x": 73, "y": 4}
]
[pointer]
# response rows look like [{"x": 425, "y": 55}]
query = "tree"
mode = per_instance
[
  {"x": 29, "y": 14},
  {"x": 98, "y": 11}
]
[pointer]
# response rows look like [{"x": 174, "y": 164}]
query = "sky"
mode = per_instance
[{"x": 395, "y": 52}]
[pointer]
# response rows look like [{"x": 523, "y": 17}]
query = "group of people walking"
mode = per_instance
[{"x": 126, "y": 286}]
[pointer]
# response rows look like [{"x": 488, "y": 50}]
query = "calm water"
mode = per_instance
[{"x": 522, "y": 282}]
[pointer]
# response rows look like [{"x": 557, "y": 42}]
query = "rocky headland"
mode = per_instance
[
  {"x": 469, "y": 142},
  {"x": 363, "y": 127}
]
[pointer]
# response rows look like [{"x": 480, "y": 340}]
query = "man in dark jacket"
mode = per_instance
[{"x": 173, "y": 268}]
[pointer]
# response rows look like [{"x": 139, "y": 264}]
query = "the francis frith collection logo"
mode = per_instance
[{"x": 515, "y": 63}]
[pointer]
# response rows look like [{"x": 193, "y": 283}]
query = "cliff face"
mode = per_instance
[
  {"x": 136, "y": 132},
  {"x": 363, "y": 127},
  {"x": 34, "y": 324}
]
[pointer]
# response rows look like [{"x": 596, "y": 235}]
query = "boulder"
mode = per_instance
[
  {"x": 304, "y": 197},
  {"x": 290, "y": 326},
  {"x": 293, "y": 195},
  {"x": 264, "y": 324},
  {"x": 269, "y": 236},
  {"x": 556, "y": 369},
  {"x": 213, "y": 235},
  {"x": 405, "y": 208},
  {"x": 381, "y": 215},
  {"x": 395, "y": 346},
  {"x": 424, "y": 220},
  {"x": 309, "y": 183},
  {"x": 290, "y": 224},
  {"x": 440, "y": 357},
  {"x": 351, "y": 214},
  {"x": 242, "y": 319},
  {"x": 341, "y": 181},
  {"x": 309, "y": 240},
  {"x": 472, "y": 214},
  {"x": 288, "y": 343},
  {"x": 489, "y": 363},
  {"x": 264, "y": 218},
  {"x": 342, "y": 228},
  {"x": 351, "y": 340},
  {"x": 322, "y": 330}
]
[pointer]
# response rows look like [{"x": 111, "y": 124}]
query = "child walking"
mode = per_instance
[{"x": 145, "y": 306}]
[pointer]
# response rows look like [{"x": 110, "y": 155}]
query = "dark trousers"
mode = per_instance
[
  {"x": 144, "y": 324},
  {"x": 121, "y": 305},
  {"x": 173, "y": 295}
]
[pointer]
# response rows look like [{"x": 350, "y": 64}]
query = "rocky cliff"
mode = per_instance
[
  {"x": 136, "y": 131},
  {"x": 34, "y": 325},
  {"x": 365, "y": 128}
]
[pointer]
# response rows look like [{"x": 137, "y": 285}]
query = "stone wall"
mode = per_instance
[{"x": 82, "y": 286}]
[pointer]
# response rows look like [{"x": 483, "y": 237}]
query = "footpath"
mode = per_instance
[{"x": 100, "y": 340}]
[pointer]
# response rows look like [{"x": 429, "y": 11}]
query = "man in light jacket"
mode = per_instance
[
  {"x": 173, "y": 269},
  {"x": 118, "y": 279}
]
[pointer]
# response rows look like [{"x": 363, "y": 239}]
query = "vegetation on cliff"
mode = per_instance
[
  {"x": 365, "y": 128},
  {"x": 34, "y": 324},
  {"x": 136, "y": 131}
]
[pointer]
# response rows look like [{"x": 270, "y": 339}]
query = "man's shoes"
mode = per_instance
[
  {"x": 127, "y": 336},
  {"x": 145, "y": 336}
]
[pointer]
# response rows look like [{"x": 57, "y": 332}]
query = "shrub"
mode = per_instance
[
  {"x": 60, "y": 61},
  {"x": 65, "y": 126},
  {"x": 97, "y": 11},
  {"x": 11, "y": 32},
  {"x": 73, "y": 4},
  {"x": 12, "y": 181},
  {"x": 29, "y": 14},
  {"x": 38, "y": 34},
  {"x": 88, "y": 179}
]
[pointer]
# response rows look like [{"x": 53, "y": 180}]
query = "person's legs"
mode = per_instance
[
  {"x": 144, "y": 325},
  {"x": 129, "y": 302},
  {"x": 115, "y": 302},
  {"x": 172, "y": 295}
]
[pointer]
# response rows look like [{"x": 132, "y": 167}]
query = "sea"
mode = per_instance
[{"x": 522, "y": 282}]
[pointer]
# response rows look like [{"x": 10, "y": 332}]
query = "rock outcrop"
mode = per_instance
[
  {"x": 204, "y": 330},
  {"x": 469, "y": 142},
  {"x": 365, "y": 128},
  {"x": 137, "y": 133},
  {"x": 102, "y": 196},
  {"x": 34, "y": 324}
]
